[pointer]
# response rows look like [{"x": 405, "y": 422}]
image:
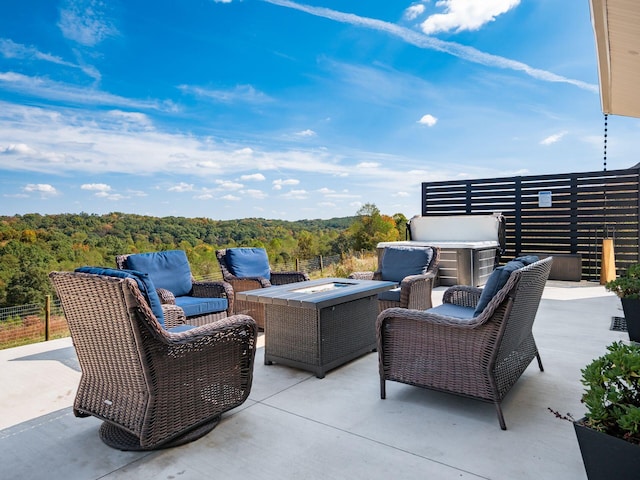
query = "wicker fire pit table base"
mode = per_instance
[{"x": 319, "y": 324}]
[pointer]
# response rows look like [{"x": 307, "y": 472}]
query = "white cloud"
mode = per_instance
[
  {"x": 229, "y": 185},
  {"x": 258, "y": 194},
  {"x": 85, "y": 22},
  {"x": 296, "y": 194},
  {"x": 368, "y": 165},
  {"x": 551, "y": 139},
  {"x": 231, "y": 198},
  {"x": 414, "y": 11},
  {"x": 18, "y": 149},
  {"x": 463, "y": 15},
  {"x": 222, "y": 1},
  {"x": 181, "y": 187},
  {"x": 306, "y": 133},
  {"x": 43, "y": 188},
  {"x": 96, "y": 187},
  {"x": 254, "y": 177},
  {"x": 325, "y": 190},
  {"x": 428, "y": 120},
  {"x": 278, "y": 184},
  {"x": 401, "y": 194}
]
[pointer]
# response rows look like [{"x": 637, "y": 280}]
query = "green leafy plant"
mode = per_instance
[
  {"x": 612, "y": 394},
  {"x": 627, "y": 285}
]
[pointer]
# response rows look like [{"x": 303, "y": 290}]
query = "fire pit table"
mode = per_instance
[{"x": 319, "y": 324}]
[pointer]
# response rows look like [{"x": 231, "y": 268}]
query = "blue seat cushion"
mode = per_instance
[
  {"x": 392, "y": 295},
  {"x": 496, "y": 281},
  {"x": 145, "y": 284},
  {"x": 248, "y": 262},
  {"x": 401, "y": 261},
  {"x": 193, "y": 306},
  {"x": 452, "y": 310},
  {"x": 169, "y": 269}
]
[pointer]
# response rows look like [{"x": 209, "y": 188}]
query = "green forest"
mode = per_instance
[{"x": 32, "y": 245}]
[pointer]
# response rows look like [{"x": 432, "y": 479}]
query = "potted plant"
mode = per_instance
[
  {"x": 609, "y": 433},
  {"x": 627, "y": 287}
]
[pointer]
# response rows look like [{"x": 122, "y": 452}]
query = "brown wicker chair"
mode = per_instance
[
  {"x": 152, "y": 387},
  {"x": 242, "y": 284},
  {"x": 479, "y": 357},
  {"x": 414, "y": 291},
  {"x": 199, "y": 289}
]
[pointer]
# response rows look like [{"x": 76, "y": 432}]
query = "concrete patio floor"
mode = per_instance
[{"x": 295, "y": 426}]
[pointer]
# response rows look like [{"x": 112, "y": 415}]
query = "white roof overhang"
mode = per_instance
[{"x": 616, "y": 26}]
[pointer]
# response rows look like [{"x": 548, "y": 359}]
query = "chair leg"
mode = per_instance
[
  {"x": 503, "y": 425},
  {"x": 383, "y": 390},
  {"x": 539, "y": 362}
]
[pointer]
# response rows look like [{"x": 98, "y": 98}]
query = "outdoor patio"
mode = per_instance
[{"x": 296, "y": 426}]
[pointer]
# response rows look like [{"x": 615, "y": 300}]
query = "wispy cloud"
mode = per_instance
[
  {"x": 12, "y": 50},
  {"x": 96, "y": 187},
  {"x": 551, "y": 139},
  {"x": 306, "y": 133},
  {"x": 255, "y": 177},
  {"x": 424, "y": 41},
  {"x": 45, "y": 88},
  {"x": 239, "y": 93},
  {"x": 86, "y": 22}
]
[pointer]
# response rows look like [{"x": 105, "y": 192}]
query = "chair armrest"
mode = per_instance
[
  {"x": 243, "y": 284},
  {"x": 361, "y": 275},
  {"x": 462, "y": 295},
  {"x": 283, "y": 278},
  {"x": 415, "y": 291},
  {"x": 166, "y": 296},
  {"x": 173, "y": 315},
  {"x": 219, "y": 289}
]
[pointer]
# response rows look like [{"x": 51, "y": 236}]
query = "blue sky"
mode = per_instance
[{"x": 272, "y": 108}]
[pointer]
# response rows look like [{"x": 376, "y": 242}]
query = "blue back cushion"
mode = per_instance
[
  {"x": 144, "y": 284},
  {"x": 399, "y": 262},
  {"x": 169, "y": 270},
  {"x": 496, "y": 281},
  {"x": 248, "y": 262},
  {"x": 527, "y": 259}
]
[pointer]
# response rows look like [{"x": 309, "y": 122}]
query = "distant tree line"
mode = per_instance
[{"x": 32, "y": 245}]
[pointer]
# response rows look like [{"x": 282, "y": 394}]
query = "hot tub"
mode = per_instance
[{"x": 470, "y": 245}]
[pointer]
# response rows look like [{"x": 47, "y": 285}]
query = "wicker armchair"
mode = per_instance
[
  {"x": 152, "y": 387},
  {"x": 475, "y": 355},
  {"x": 415, "y": 278},
  {"x": 242, "y": 283},
  {"x": 192, "y": 302}
]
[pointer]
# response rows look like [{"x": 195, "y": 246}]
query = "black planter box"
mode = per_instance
[{"x": 606, "y": 457}]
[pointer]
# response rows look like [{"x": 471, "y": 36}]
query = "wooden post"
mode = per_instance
[
  {"x": 608, "y": 267},
  {"x": 47, "y": 317}
]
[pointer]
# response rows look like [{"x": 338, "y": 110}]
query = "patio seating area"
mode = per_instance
[{"x": 294, "y": 425}]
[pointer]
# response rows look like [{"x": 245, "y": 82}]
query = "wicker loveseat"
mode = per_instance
[
  {"x": 414, "y": 269},
  {"x": 462, "y": 347},
  {"x": 154, "y": 388},
  {"x": 202, "y": 301},
  {"x": 248, "y": 268}
]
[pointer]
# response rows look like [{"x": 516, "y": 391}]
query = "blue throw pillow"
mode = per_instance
[
  {"x": 496, "y": 281},
  {"x": 527, "y": 259},
  {"x": 169, "y": 269},
  {"x": 400, "y": 262},
  {"x": 248, "y": 262},
  {"x": 144, "y": 284}
]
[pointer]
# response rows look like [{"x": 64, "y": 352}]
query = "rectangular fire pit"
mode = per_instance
[{"x": 320, "y": 324}]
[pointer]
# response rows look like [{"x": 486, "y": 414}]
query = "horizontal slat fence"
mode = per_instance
[{"x": 585, "y": 208}]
